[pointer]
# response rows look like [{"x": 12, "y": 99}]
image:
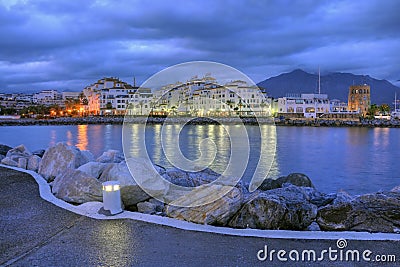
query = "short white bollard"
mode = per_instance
[{"x": 112, "y": 197}]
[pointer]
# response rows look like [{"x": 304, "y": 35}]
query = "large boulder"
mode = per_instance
[
  {"x": 217, "y": 212},
  {"x": 318, "y": 198},
  {"x": 111, "y": 156},
  {"x": 131, "y": 192},
  {"x": 60, "y": 157},
  {"x": 269, "y": 184},
  {"x": 22, "y": 163},
  {"x": 94, "y": 169},
  {"x": 39, "y": 152},
  {"x": 378, "y": 212},
  {"x": 76, "y": 186},
  {"x": 34, "y": 162},
  {"x": 282, "y": 208},
  {"x": 9, "y": 162},
  {"x": 4, "y": 149},
  {"x": 146, "y": 207},
  {"x": 18, "y": 152},
  {"x": 189, "y": 179},
  {"x": 342, "y": 197},
  {"x": 87, "y": 155},
  {"x": 297, "y": 179},
  {"x": 396, "y": 189}
]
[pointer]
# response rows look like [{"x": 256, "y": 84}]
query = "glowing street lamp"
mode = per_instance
[{"x": 112, "y": 197}]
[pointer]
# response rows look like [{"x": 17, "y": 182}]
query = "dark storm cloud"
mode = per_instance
[{"x": 69, "y": 44}]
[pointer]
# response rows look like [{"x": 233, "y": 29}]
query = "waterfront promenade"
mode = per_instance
[
  {"x": 203, "y": 121},
  {"x": 35, "y": 232}
]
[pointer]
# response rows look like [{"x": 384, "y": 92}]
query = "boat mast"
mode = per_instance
[{"x": 319, "y": 81}]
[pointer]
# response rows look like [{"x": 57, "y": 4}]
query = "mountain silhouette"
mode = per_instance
[{"x": 336, "y": 85}]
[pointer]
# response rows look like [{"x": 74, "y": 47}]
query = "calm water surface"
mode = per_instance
[{"x": 357, "y": 160}]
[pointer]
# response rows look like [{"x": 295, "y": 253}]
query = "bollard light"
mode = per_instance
[{"x": 112, "y": 197}]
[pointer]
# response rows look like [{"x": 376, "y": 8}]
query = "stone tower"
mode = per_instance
[{"x": 359, "y": 98}]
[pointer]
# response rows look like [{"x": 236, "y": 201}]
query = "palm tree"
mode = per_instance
[
  {"x": 240, "y": 105},
  {"x": 263, "y": 105},
  {"x": 141, "y": 103},
  {"x": 173, "y": 110},
  {"x": 385, "y": 109},
  {"x": 230, "y": 104},
  {"x": 373, "y": 110}
]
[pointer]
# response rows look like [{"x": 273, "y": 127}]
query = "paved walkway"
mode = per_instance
[{"x": 34, "y": 232}]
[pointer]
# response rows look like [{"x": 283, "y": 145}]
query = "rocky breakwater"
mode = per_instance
[
  {"x": 321, "y": 122},
  {"x": 290, "y": 202}
]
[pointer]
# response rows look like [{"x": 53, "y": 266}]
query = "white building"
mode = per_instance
[
  {"x": 70, "y": 95},
  {"x": 205, "y": 97},
  {"x": 197, "y": 97},
  {"x": 337, "y": 106},
  {"x": 311, "y": 106},
  {"x": 111, "y": 96},
  {"x": 141, "y": 102},
  {"x": 25, "y": 97},
  {"x": 307, "y": 105},
  {"x": 47, "y": 97}
]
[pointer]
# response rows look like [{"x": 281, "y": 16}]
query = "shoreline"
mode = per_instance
[
  {"x": 204, "y": 121},
  {"x": 286, "y": 193},
  {"x": 90, "y": 209}
]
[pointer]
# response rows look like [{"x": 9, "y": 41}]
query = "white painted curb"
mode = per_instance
[{"x": 90, "y": 209}]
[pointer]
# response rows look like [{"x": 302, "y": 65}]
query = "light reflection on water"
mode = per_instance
[
  {"x": 82, "y": 142},
  {"x": 357, "y": 160}
]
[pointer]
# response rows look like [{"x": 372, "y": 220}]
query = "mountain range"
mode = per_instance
[{"x": 336, "y": 85}]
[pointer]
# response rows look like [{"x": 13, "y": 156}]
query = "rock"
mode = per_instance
[
  {"x": 269, "y": 184},
  {"x": 178, "y": 177},
  {"x": 158, "y": 204},
  {"x": 203, "y": 177},
  {"x": 76, "y": 186},
  {"x": 378, "y": 212},
  {"x": 4, "y": 149},
  {"x": 18, "y": 152},
  {"x": 148, "y": 177},
  {"x": 313, "y": 227},
  {"x": 111, "y": 156},
  {"x": 317, "y": 198},
  {"x": 207, "y": 171},
  {"x": 342, "y": 197},
  {"x": 297, "y": 179},
  {"x": 34, "y": 162},
  {"x": 22, "y": 163},
  {"x": 87, "y": 155},
  {"x": 160, "y": 169},
  {"x": 261, "y": 211},
  {"x": 131, "y": 192},
  {"x": 39, "y": 152},
  {"x": 188, "y": 179},
  {"x": 396, "y": 189},
  {"x": 60, "y": 157},
  {"x": 94, "y": 169},
  {"x": 2, "y": 157},
  {"x": 282, "y": 208},
  {"x": 9, "y": 162},
  {"x": 217, "y": 212},
  {"x": 146, "y": 207}
]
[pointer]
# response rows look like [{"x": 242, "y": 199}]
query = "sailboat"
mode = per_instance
[{"x": 396, "y": 112}]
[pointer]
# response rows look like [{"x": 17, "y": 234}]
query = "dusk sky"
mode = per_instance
[{"x": 67, "y": 44}]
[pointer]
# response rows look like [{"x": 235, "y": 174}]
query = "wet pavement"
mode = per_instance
[{"x": 34, "y": 232}]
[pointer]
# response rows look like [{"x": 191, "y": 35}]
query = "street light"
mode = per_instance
[{"x": 112, "y": 197}]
